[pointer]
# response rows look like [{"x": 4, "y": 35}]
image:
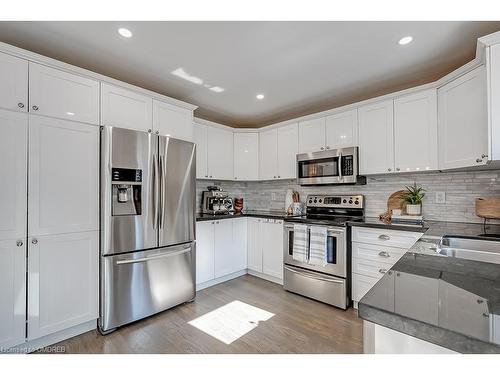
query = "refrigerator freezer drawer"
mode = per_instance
[
  {"x": 140, "y": 284},
  {"x": 324, "y": 288}
]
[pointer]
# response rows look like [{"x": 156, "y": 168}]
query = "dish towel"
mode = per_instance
[
  {"x": 317, "y": 250},
  {"x": 300, "y": 243}
]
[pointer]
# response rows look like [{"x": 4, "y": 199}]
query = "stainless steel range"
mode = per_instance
[{"x": 317, "y": 248}]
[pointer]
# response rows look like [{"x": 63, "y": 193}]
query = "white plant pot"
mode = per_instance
[{"x": 413, "y": 209}]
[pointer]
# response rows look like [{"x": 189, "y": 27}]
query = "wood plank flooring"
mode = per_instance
[{"x": 299, "y": 325}]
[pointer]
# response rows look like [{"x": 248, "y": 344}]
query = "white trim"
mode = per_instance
[
  {"x": 201, "y": 121},
  {"x": 219, "y": 280},
  {"x": 47, "y": 61}
]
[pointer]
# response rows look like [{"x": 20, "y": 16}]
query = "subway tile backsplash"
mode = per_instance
[{"x": 461, "y": 189}]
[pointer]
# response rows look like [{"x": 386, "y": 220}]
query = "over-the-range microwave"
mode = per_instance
[{"x": 328, "y": 167}]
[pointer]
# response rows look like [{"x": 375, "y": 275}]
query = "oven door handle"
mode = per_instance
[
  {"x": 312, "y": 276},
  {"x": 340, "y": 166}
]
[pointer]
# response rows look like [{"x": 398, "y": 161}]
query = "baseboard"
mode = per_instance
[
  {"x": 33, "y": 345},
  {"x": 265, "y": 277},
  {"x": 219, "y": 280}
]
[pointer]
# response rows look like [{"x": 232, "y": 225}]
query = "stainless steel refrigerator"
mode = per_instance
[{"x": 147, "y": 225}]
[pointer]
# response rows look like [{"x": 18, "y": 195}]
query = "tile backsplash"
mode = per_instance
[{"x": 460, "y": 188}]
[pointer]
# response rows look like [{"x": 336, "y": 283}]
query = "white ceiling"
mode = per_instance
[{"x": 301, "y": 67}]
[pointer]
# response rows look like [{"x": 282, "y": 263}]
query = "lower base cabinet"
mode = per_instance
[{"x": 62, "y": 282}]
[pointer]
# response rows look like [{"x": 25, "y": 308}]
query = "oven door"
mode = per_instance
[
  {"x": 328, "y": 167},
  {"x": 336, "y": 250}
]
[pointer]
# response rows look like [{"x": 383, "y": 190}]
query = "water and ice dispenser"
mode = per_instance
[{"x": 126, "y": 191}]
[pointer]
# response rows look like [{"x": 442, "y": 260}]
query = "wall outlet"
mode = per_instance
[{"x": 440, "y": 197}]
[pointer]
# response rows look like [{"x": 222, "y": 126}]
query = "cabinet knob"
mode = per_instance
[
  {"x": 19, "y": 243},
  {"x": 389, "y": 169},
  {"x": 34, "y": 241},
  {"x": 398, "y": 169},
  {"x": 484, "y": 156},
  {"x": 384, "y": 237},
  {"x": 274, "y": 176},
  {"x": 235, "y": 177},
  {"x": 322, "y": 148},
  {"x": 150, "y": 130},
  {"x": 210, "y": 176},
  {"x": 382, "y": 270},
  {"x": 279, "y": 176},
  {"x": 35, "y": 108},
  {"x": 479, "y": 160},
  {"x": 157, "y": 132},
  {"x": 206, "y": 175},
  {"x": 20, "y": 105},
  {"x": 327, "y": 147}
]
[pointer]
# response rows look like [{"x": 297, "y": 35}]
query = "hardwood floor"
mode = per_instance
[{"x": 299, "y": 325}]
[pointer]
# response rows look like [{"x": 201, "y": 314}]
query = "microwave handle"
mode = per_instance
[{"x": 340, "y": 165}]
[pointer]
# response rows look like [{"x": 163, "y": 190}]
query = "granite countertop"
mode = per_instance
[
  {"x": 278, "y": 215},
  {"x": 451, "y": 302}
]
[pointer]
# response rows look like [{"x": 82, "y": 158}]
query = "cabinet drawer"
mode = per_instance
[
  {"x": 393, "y": 238},
  {"x": 378, "y": 253},
  {"x": 361, "y": 285},
  {"x": 370, "y": 268}
]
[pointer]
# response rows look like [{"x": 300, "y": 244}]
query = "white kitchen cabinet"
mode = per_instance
[
  {"x": 376, "y": 142},
  {"x": 224, "y": 263},
  {"x": 125, "y": 108},
  {"x": 268, "y": 154},
  {"x": 246, "y": 156},
  {"x": 63, "y": 176},
  {"x": 272, "y": 247},
  {"x": 494, "y": 100},
  {"x": 13, "y": 169},
  {"x": 254, "y": 244},
  {"x": 220, "y": 153},
  {"x": 205, "y": 251},
  {"x": 201, "y": 139},
  {"x": 312, "y": 135},
  {"x": 62, "y": 282},
  {"x": 172, "y": 121},
  {"x": 13, "y": 83},
  {"x": 288, "y": 148},
  {"x": 463, "y": 121},
  {"x": 239, "y": 244},
  {"x": 56, "y": 93},
  {"x": 12, "y": 292},
  {"x": 415, "y": 132},
  {"x": 342, "y": 129}
]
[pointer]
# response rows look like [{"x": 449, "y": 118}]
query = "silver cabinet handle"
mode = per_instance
[
  {"x": 279, "y": 176},
  {"x": 19, "y": 243},
  {"x": 389, "y": 169},
  {"x": 484, "y": 156},
  {"x": 384, "y": 254},
  {"x": 35, "y": 108},
  {"x": 382, "y": 270},
  {"x": 213, "y": 222},
  {"x": 339, "y": 165},
  {"x": 398, "y": 169},
  {"x": 34, "y": 241},
  {"x": 150, "y": 130},
  {"x": 322, "y": 148},
  {"x": 479, "y": 160},
  {"x": 20, "y": 105},
  {"x": 274, "y": 176},
  {"x": 384, "y": 237}
]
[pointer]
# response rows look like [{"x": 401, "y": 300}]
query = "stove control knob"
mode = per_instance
[
  {"x": 344, "y": 201},
  {"x": 310, "y": 201},
  {"x": 356, "y": 202},
  {"x": 320, "y": 201},
  {"x": 350, "y": 201},
  {"x": 315, "y": 200}
]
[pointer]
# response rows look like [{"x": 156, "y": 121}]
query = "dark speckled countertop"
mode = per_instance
[{"x": 278, "y": 215}]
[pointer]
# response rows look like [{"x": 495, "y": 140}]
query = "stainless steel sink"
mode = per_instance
[{"x": 467, "y": 248}]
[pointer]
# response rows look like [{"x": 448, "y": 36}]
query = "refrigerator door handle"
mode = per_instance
[
  {"x": 156, "y": 180},
  {"x": 163, "y": 185}
]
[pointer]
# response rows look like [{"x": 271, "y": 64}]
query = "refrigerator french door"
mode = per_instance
[{"x": 147, "y": 225}]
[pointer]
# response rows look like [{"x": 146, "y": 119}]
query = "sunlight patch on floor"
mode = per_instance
[{"x": 231, "y": 321}]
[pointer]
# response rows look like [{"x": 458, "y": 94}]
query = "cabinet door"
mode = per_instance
[
  {"x": 272, "y": 249},
  {"x": 246, "y": 156},
  {"x": 240, "y": 243},
  {"x": 342, "y": 130},
  {"x": 62, "y": 282},
  {"x": 63, "y": 176},
  {"x": 14, "y": 83},
  {"x": 172, "y": 121},
  {"x": 376, "y": 143},
  {"x": 312, "y": 135},
  {"x": 268, "y": 154},
  {"x": 205, "y": 251},
  {"x": 288, "y": 148},
  {"x": 494, "y": 101},
  {"x": 59, "y": 94},
  {"x": 220, "y": 153},
  {"x": 12, "y": 292},
  {"x": 13, "y": 169},
  {"x": 463, "y": 122},
  {"x": 200, "y": 138},
  {"x": 254, "y": 244},
  {"x": 125, "y": 108},
  {"x": 225, "y": 262},
  {"x": 415, "y": 132}
]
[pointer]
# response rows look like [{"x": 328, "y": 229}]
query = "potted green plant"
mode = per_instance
[{"x": 413, "y": 199}]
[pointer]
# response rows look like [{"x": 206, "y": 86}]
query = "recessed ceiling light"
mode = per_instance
[
  {"x": 405, "y": 40},
  {"x": 216, "y": 89},
  {"x": 259, "y": 96},
  {"x": 126, "y": 33}
]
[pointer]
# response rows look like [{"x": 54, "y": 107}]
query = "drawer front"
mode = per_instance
[
  {"x": 361, "y": 285},
  {"x": 393, "y": 238},
  {"x": 369, "y": 267},
  {"x": 378, "y": 253}
]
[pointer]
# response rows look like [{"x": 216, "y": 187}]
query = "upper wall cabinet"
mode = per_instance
[
  {"x": 220, "y": 153},
  {"x": 201, "y": 139},
  {"x": 172, "y": 121},
  {"x": 288, "y": 148},
  {"x": 63, "y": 95},
  {"x": 415, "y": 132},
  {"x": 494, "y": 101},
  {"x": 376, "y": 152},
  {"x": 342, "y": 130},
  {"x": 268, "y": 154},
  {"x": 463, "y": 121},
  {"x": 246, "y": 156},
  {"x": 312, "y": 135},
  {"x": 125, "y": 108},
  {"x": 13, "y": 83}
]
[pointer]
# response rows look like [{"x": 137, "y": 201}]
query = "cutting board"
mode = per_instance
[
  {"x": 395, "y": 201},
  {"x": 488, "y": 208}
]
